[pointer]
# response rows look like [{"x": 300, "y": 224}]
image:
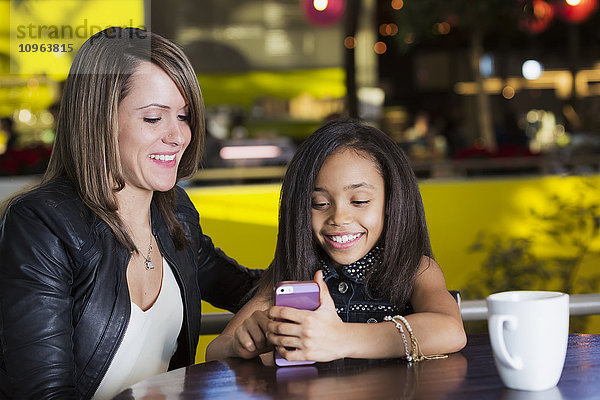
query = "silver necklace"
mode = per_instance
[{"x": 148, "y": 261}]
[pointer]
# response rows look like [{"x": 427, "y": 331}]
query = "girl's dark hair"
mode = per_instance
[{"x": 404, "y": 238}]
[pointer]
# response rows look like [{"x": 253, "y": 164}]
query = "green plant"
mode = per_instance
[{"x": 550, "y": 258}]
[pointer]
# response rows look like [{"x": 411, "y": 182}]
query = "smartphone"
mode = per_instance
[{"x": 303, "y": 295}]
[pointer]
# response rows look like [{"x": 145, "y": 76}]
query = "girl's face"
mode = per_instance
[
  {"x": 153, "y": 130},
  {"x": 348, "y": 206}
]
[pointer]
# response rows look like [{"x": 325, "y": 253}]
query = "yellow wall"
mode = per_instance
[{"x": 242, "y": 220}]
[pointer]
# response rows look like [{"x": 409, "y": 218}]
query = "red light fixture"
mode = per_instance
[
  {"x": 324, "y": 12},
  {"x": 575, "y": 11},
  {"x": 538, "y": 18}
]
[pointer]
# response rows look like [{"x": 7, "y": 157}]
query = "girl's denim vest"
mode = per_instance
[{"x": 352, "y": 302}]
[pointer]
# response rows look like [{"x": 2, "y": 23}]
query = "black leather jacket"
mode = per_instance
[{"x": 64, "y": 299}]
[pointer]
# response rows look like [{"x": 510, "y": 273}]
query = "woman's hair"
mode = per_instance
[
  {"x": 404, "y": 238},
  {"x": 86, "y": 146}
]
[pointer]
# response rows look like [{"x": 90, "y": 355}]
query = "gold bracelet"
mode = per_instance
[
  {"x": 401, "y": 329},
  {"x": 415, "y": 344}
]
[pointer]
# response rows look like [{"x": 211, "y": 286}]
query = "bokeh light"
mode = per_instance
[
  {"x": 25, "y": 115},
  {"x": 320, "y": 5},
  {"x": 380, "y": 47},
  {"x": 508, "y": 92},
  {"x": 397, "y": 4},
  {"x": 324, "y": 12},
  {"x": 486, "y": 65},
  {"x": 443, "y": 28},
  {"x": 388, "y": 29},
  {"x": 575, "y": 11},
  {"x": 350, "y": 42},
  {"x": 531, "y": 69},
  {"x": 538, "y": 20}
]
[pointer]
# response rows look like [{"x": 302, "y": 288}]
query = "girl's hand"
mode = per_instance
[
  {"x": 315, "y": 335},
  {"x": 249, "y": 338}
]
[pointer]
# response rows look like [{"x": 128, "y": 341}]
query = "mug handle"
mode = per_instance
[{"x": 496, "y": 327}]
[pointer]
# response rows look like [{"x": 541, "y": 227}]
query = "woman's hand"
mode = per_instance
[
  {"x": 315, "y": 335},
  {"x": 244, "y": 336}
]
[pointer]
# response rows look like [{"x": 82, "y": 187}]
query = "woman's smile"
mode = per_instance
[{"x": 164, "y": 159}]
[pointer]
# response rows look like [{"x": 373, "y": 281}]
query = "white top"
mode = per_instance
[{"x": 149, "y": 342}]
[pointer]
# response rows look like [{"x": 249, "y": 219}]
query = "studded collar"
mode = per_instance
[{"x": 356, "y": 271}]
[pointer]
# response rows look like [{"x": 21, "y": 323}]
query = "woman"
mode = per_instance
[{"x": 104, "y": 264}]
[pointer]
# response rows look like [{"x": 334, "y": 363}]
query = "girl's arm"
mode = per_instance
[
  {"x": 436, "y": 323},
  {"x": 244, "y": 336},
  {"x": 321, "y": 335}
]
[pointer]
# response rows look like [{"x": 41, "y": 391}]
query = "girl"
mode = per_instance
[{"x": 351, "y": 215}]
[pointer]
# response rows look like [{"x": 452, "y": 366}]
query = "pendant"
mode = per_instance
[{"x": 149, "y": 265}]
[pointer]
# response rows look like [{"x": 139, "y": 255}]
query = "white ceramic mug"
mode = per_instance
[{"x": 529, "y": 332}]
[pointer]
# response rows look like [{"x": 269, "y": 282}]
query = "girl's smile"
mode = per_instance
[
  {"x": 343, "y": 240},
  {"x": 348, "y": 206}
]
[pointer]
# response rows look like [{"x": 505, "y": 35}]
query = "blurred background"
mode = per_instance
[{"x": 496, "y": 102}]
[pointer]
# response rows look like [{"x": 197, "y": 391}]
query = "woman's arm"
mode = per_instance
[
  {"x": 244, "y": 336},
  {"x": 223, "y": 282},
  {"x": 321, "y": 335},
  {"x": 35, "y": 308}
]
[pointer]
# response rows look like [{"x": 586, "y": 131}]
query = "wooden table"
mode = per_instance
[{"x": 470, "y": 374}]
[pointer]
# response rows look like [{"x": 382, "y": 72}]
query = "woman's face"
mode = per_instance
[
  {"x": 348, "y": 206},
  {"x": 153, "y": 130}
]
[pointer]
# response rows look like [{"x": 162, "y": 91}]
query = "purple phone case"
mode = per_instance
[{"x": 305, "y": 296}]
